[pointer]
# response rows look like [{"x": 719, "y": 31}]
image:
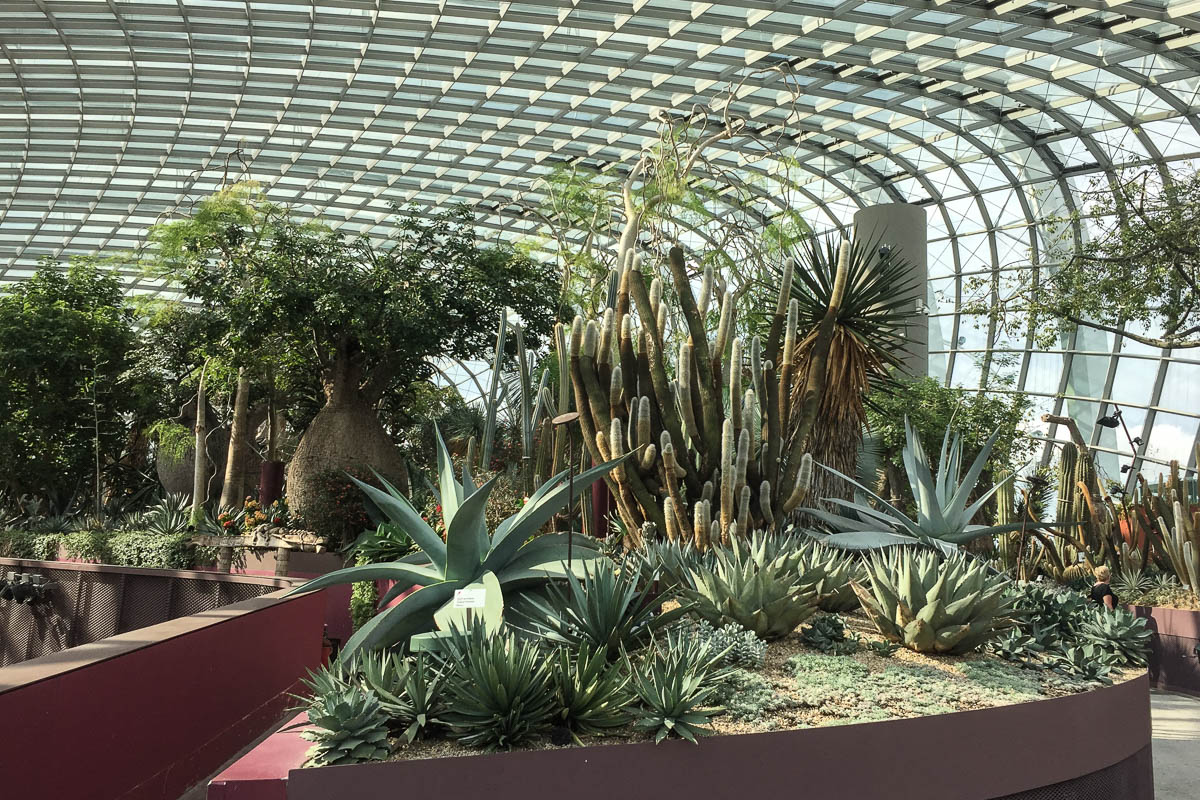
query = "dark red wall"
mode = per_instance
[
  {"x": 1174, "y": 657},
  {"x": 149, "y": 713}
]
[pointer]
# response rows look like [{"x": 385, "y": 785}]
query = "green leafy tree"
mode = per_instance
[
  {"x": 67, "y": 395},
  {"x": 1137, "y": 273},
  {"x": 931, "y": 408},
  {"x": 364, "y": 317}
]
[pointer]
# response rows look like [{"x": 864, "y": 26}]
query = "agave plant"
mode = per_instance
[
  {"x": 755, "y": 586},
  {"x": 350, "y": 727},
  {"x": 169, "y": 516},
  {"x": 935, "y": 605},
  {"x": 499, "y": 689},
  {"x": 839, "y": 569},
  {"x": 593, "y": 694},
  {"x": 513, "y": 554},
  {"x": 943, "y": 515},
  {"x": 604, "y": 609},
  {"x": 677, "y": 682},
  {"x": 1122, "y": 638}
]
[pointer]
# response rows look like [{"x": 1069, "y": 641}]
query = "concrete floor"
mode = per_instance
[{"x": 1176, "y": 719}]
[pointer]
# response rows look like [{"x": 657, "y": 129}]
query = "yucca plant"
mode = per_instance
[
  {"x": 499, "y": 690},
  {"x": 750, "y": 584},
  {"x": 593, "y": 694},
  {"x": 935, "y": 605},
  {"x": 1122, "y": 638},
  {"x": 350, "y": 727},
  {"x": 868, "y": 337},
  {"x": 943, "y": 514},
  {"x": 513, "y": 553},
  {"x": 604, "y": 609},
  {"x": 676, "y": 682}
]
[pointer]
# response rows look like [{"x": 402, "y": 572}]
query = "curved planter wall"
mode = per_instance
[
  {"x": 1094, "y": 745},
  {"x": 1175, "y": 648}
]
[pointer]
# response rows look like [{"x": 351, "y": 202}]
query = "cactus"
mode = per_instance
[
  {"x": 1181, "y": 543},
  {"x": 707, "y": 439}
]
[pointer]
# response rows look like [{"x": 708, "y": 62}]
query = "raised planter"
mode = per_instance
[
  {"x": 1175, "y": 648},
  {"x": 144, "y": 715},
  {"x": 1095, "y": 745}
]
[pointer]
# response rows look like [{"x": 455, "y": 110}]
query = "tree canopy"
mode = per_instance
[
  {"x": 1137, "y": 271},
  {"x": 67, "y": 346}
]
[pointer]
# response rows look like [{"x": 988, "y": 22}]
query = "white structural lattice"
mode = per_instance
[{"x": 991, "y": 114}]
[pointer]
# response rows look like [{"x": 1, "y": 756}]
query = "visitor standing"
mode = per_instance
[{"x": 1102, "y": 594}]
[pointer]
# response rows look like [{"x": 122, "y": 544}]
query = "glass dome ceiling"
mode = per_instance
[{"x": 992, "y": 115}]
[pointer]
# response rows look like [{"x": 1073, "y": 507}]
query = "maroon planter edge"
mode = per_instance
[
  {"x": 144, "y": 715},
  {"x": 1004, "y": 752},
  {"x": 1174, "y": 653}
]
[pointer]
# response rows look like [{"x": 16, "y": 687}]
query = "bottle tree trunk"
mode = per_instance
[
  {"x": 345, "y": 434},
  {"x": 233, "y": 489},
  {"x": 200, "y": 468}
]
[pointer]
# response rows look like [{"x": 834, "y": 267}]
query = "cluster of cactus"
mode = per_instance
[
  {"x": 935, "y": 605},
  {"x": 710, "y": 425},
  {"x": 741, "y": 647}
]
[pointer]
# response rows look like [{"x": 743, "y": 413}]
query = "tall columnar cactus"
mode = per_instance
[
  {"x": 1181, "y": 543},
  {"x": 1066, "y": 484},
  {"x": 708, "y": 428}
]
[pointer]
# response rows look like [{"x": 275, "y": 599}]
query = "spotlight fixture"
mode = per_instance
[{"x": 1112, "y": 421}]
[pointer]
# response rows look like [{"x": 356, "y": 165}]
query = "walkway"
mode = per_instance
[{"x": 1176, "y": 746}]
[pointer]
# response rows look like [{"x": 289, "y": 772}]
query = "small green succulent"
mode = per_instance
[
  {"x": 350, "y": 728},
  {"x": 827, "y": 633},
  {"x": 1085, "y": 662},
  {"x": 593, "y": 694},
  {"x": 499, "y": 690},
  {"x": 741, "y": 647}
]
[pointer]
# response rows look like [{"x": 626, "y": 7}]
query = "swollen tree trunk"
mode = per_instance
[
  {"x": 233, "y": 488},
  {"x": 346, "y": 434},
  {"x": 200, "y": 470}
]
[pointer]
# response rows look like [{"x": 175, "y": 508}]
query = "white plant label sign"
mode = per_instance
[{"x": 470, "y": 598}]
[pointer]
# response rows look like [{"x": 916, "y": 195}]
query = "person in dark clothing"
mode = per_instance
[{"x": 1102, "y": 594}]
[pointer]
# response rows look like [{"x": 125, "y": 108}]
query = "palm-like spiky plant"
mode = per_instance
[
  {"x": 943, "y": 513},
  {"x": 868, "y": 338}
]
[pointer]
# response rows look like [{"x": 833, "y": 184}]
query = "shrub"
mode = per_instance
[
  {"x": 153, "y": 550},
  {"x": 499, "y": 690},
  {"x": 89, "y": 545}
]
